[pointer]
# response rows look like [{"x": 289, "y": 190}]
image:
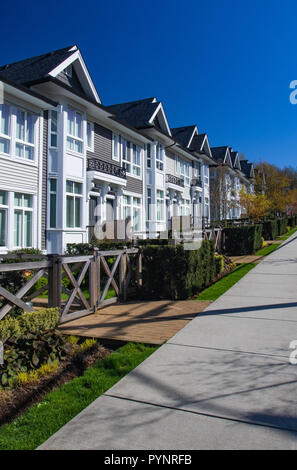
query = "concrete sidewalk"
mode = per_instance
[{"x": 223, "y": 382}]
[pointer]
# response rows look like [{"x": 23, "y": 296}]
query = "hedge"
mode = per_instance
[
  {"x": 270, "y": 229},
  {"x": 282, "y": 225},
  {"x": 30, "y": 322},
  {"x": 243, "y": 240},
  {"x": 175, "y": 273}
]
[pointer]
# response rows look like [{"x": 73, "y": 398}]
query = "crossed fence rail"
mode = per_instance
[{"x": 121, "y": 267}]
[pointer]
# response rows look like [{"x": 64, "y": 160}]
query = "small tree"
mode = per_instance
[
  {"x": 220, "y": 193},
  {"x": 255, "y": 206}
]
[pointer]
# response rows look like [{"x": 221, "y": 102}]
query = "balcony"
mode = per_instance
[
  {"x": 94, "y": 164},
  {"x": 196, "y": 182},
  {"x": 171, "y": 179}
]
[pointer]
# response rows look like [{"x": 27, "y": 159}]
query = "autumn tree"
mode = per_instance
[{"x": 255, "y": 206}]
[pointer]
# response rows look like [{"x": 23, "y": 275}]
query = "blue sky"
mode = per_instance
[{"x": 223, "y": 64}]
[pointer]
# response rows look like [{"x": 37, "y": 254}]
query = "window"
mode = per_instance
[
  {"x": 126, "y": 155},
  {"x": 23, "y": 220},
  {"x": 73, "y": 204},
  {"x": 53, "y": 202},
  {"x": 74, "y": 131},
  {"x": 116, "y": 141},
  {"x": 160, "y": 205},
  {"x": 185, "y": 207},
  {"x": 132, "y": 211},
  {"x": 68, "y": 71},
  {"x": 185, "y": 171},
  {"x": 160, "y": 157},
  {"x": 197, "y": 169},
  {"x": 4, "y": 129},
  {"x": 148, "y": 156},
  {"x": 3, "y": 217},
  {"x": 136, "y": 160},
  {"x": 90, "y": 136},
  {"x": 25, "y": 124},
  {"x": 54, "y": 129},
  {"x": 206, "y": 174},
  {"x": 149, "y": 204}
]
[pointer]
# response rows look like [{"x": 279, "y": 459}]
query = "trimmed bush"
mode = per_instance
[
  {"x": 220, "y": 264},
  {"x": 270, "y": 229},
  {"x": 282, "y": 226},
  {"x": 243, "y": 240},
  {"x": 29, "y": 323},
  {"x": 102, "y": 245},
  {"x": 175, "y": 273}
]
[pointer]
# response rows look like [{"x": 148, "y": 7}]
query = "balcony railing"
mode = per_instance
[
  {"x": 175, "y": 180},
  {"x": 94, "y": 164},
  {"x": 196, "y": 182}
]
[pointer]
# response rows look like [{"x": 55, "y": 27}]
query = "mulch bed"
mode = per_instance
[{"x": 14, "y": 402}]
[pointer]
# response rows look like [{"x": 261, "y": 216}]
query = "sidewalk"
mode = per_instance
[{"x": 223, "y": 382}]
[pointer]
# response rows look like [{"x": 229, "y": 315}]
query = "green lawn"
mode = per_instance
[
  {"x": 287, "y": 235},
  {"x": 42, "y": 420},
  {"x": 216, "y": 290},
  {"x": 268, "y": 249}
]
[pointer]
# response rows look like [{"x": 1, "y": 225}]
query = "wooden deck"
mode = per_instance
[{"x": 151, "y": 322}]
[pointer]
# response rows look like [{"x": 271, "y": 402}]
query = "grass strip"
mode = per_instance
[
  {"x": 268, "y": 249},
  {"x": 42, "y": 420},
  {"x": 220, "y": 287},
  {"x": 288, "y": 234}
]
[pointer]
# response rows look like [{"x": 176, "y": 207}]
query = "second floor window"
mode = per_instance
[
  {"x": 160, "y": 157},
  {"x": 206, "y": 174},
  {"x": 25, "y": 124},
  {"x": 54, "y": 129},
  {"x": 73, "y": 204},
  {"x": 148, "y": 156},
  {"x": 4, "y": 129},
  {"x": 74, "y": 131},
  {"x": 116, "y": 147},
  {"x": 136, "y": 160}
]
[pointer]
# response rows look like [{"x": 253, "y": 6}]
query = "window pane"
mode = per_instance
[
  {"x": 89, "y": 135},
  {"x": 77, "y": 211},
  {"x": 29, "y": 152},
  {"x": 70, "y": 123},
  {"x": 4, "y": 122},
  {"x": 2, "y": 227},
  {"x": 27, "y": 229},
  {"x": 4, "y": 145},
  {"x": 3, "y": 198},
  {"x": 69, "y": 186},
  {"x": 78, "y": 125},
  {"x": 30, "y": 128},
  {"x": 19, "y": 150},
  {"x": 53, "y": 184},
  {"x": 17, "y": 199},
  {"x": 53, "y": 211},
  {"x": 77, "y": 188},
  {"x": 20, "y": 130},
  {"x": 28, "y": 200},
  {"x": 18, "y": 228},
  {"x": 70, "y": 211},
  {"x": 136, "y": 219},
  {"x": 54, "y": 120},
  {"x": 53, "y": 140}
]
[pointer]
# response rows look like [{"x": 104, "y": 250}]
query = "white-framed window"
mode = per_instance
[
  {"x": 116, "y": 147},
  {"x": 53, "y": 202},
  {"x": 206, "y": 174},
  {"x": 160, "y": 157},
  {"x": 149, "y": 203},
  {"x": 54, "y": 129},
  {"x": 23, "y": 220},
  {"x": 136, "y": 160},
  {"x": 74, "y": 131},
  {"x": 74, "y": 198},
  {"x": 126, "y": 155},
  {"x": 5, "y": 139},
  {"x": 185, "y": 207},
  {"x": 25, "y": 130},
  {"x": 132, "y": 210},
  {"x": 68, "y": 71},
  {"x": 185, "y": 171},
  {"x": 90, "y": 136},
  {"x": 149, "y": 156},
  {"x": 3, "y": 217},
  {"x": 197, "y": 169},
  {"x": 160, "y": 205}
]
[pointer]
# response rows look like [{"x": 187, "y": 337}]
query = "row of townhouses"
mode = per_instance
[{"x": 68, "y": 163}]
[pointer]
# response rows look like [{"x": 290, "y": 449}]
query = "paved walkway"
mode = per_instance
[
  {"x": 223, "y": 382},
  {"x": 151, "y": 322}
]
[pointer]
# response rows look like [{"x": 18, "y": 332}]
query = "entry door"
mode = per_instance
[
  {"x": 109, "y": 209},
  {"x": 94, "y": 210}
]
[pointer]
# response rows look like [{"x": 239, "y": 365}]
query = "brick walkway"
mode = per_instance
[{"x": 152, "y": 322}]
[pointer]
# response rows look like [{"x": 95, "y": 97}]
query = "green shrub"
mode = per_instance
[
  {"x": 282, "y": 226},
  {"x": 175, "y": 273},
  {"x": 270, "y": 229},
  {"x": 243, "y": 240},
  {"x": 30, "y": 322},
  {"x": 220, "y": 264},
  {"x": 102, "y": 245}
]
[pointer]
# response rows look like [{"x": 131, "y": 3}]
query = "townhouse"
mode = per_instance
[{"x": 79, "y": 169}]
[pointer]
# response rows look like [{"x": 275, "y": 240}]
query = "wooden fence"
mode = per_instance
[{"x": 97, "y": 268}]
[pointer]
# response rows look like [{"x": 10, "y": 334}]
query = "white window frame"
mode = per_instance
[
  {"x": 5, "y": 207},
  {"x": 162, "y": 200},
  {"x": 50, "y": 193},
  {"x": 127, "y": 159},
  {"x": 149, "y": 156},
  {"x": 24, "y": 143},
  {"x": 206, "y": 174},
  {"x": 51, "y": 132},
  {"x": 70, "y": 137},
  {"x": 90, "y": 148},
  {"x": 132, "y": 206},
  {"x": 116, "y": 140},
  {"x": 160, "y": 157},
  {"x": 6, "y": 136},
  {"x": 74, "y": 196},
  {"x": 23, "y": 209},
  {"x": 135, "y": 166}
]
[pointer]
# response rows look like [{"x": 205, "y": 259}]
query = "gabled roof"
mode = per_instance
[
  {"x": 142, "y": 114},
  {"x": 35, "y": 69},
  {"x": 221, "y": 155},
  {"x": 247, "y": 168},
  {"x": 235, "y": 159},
  {"x": 184, "y": 135}
]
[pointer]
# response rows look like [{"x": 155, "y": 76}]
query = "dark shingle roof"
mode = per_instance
[
  {"x": 233, "y": 157},
  {"x": 183, "y": 134},
  {"x": 247, "y": 168},
  {"x": 35, "y": 68},
  {"x": 219, "y": 153},
  {"x": 135, "y": 113},
  {"x": 197, "y": 141}
]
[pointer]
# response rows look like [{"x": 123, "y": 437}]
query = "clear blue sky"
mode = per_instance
[{"x": 223, "y": 64}]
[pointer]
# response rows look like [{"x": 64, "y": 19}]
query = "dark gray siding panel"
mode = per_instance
[
  {"x": 71, "y": 81},
  {"x": 134, "y": 185},
  {"x": 102, "y": 144},
  {"x": 44, "y": 180}
]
